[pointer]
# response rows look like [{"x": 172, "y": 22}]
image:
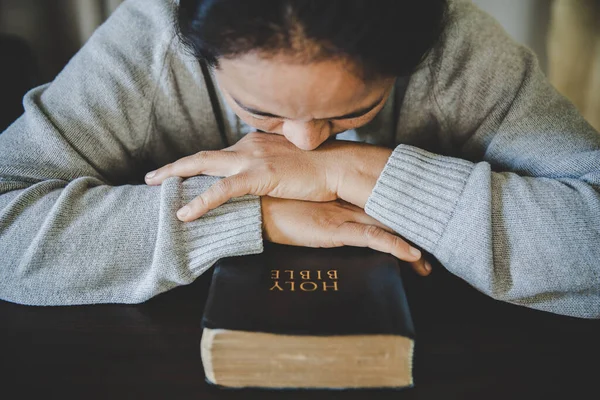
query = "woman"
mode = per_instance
[{"x": 453, "y": 141}]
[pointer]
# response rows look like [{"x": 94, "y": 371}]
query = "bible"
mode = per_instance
[{"x": 304, "y": 318}]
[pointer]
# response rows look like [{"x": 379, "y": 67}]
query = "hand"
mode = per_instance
[
  {"x": 260, "y": 164},
  {"x": 333, "y": 224},
  {"x": 267, "y": 164}
]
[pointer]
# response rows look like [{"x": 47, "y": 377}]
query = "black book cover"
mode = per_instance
[{"x": 306, "y": 291}]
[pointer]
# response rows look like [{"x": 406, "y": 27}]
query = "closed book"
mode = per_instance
[{"x": 295, "y": 317}]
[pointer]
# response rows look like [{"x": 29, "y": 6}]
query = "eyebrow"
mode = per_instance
[{"x": 354, "y": 114}]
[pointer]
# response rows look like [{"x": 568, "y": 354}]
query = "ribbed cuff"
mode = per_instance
[
  {"x": 417, "y": 192},
  {"x": 233, "y": 229}
]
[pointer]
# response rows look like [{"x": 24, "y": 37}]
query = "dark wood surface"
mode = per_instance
[{"x": 468, "y": 347}]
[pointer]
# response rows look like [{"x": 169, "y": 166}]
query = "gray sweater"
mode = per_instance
[{"x": 494, "y": 172}]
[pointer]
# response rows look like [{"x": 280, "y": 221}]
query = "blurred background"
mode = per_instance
[{"x": 38, "y": 37}]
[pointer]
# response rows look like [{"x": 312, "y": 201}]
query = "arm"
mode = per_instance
[
  {"x": 77, "y": 225},
  {"x": 513, "y": 207}
]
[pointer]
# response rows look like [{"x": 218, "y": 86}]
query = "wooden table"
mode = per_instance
[{"x": 468, "y": 347}]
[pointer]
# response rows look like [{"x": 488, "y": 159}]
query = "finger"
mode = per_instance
[
  {"x": 359, "y": 215},
  {"x": 205, "y": 163},
  {"x": 421, "y": 267},
  {"x": 374, "y": 237},
  {"x": 214, "y": 196}
]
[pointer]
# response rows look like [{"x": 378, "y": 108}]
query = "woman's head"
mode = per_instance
[{"x": 309, "y": 69}]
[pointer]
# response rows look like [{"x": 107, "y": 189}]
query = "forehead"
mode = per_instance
[{"x": 281, "y": 86}]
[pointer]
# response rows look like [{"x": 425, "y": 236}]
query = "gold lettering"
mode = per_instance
[
  {"x": 319, "y": 274},
  {"x": 291, "y": 285},
  {"x": 314, "y": 286},
  {"x": 274, "y": 274},
  {"x": 332, "y": 274},
  {"x": 332, "y": 286},
  {"x": 291, "y": 273},
  {"x": 305, "y": 274},
  {"x": 276, "y": 285}
]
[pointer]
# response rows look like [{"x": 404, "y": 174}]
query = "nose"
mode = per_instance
[{"x": 306, "y": 135}]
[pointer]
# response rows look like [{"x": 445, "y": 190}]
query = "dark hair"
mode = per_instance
[{"x": 380, "y": 37}]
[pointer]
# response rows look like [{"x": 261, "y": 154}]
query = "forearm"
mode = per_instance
[
  {"x": 85, "y": 242},
  {"x": 530, "y": 241}
]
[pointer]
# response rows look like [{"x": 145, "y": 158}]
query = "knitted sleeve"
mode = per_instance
[
  {"x": 513, "y": 206},
  {"x": 77, "y": 223}
]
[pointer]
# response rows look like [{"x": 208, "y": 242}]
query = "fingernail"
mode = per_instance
[
  {"x": 414, "y": 252},
  {"x": 150, "y": 175},
  {"x": 427, "y": 266},
  {"x": 183, "y": 212}
]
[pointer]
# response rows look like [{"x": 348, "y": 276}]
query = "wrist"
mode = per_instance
[
  {"x": 265, "y": 215},
  {"x": 360, "y": 173}
]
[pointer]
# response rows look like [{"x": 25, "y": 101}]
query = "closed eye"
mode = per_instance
[
  {"x": 261, "y": 117},
  {"x": 265, "y": 115}
]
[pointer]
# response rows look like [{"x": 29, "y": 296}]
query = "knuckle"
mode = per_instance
[
  {"x": 372, "y": 232},
  {"x": 196, "y": 204},
  {"x": 200, "y": 157},
  {"x": 258, "y": 152},
  {"x": 269, "y": 168},
  {"x": 398, "y": 243},
  {"x": 222, "y": 187},
  {"x": 199, "y": 202}
]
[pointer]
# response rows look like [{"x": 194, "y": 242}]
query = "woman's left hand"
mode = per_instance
[{"x": 265, "y": 164}]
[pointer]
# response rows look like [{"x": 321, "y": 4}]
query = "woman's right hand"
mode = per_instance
[{"x": 332, "y": 224}]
